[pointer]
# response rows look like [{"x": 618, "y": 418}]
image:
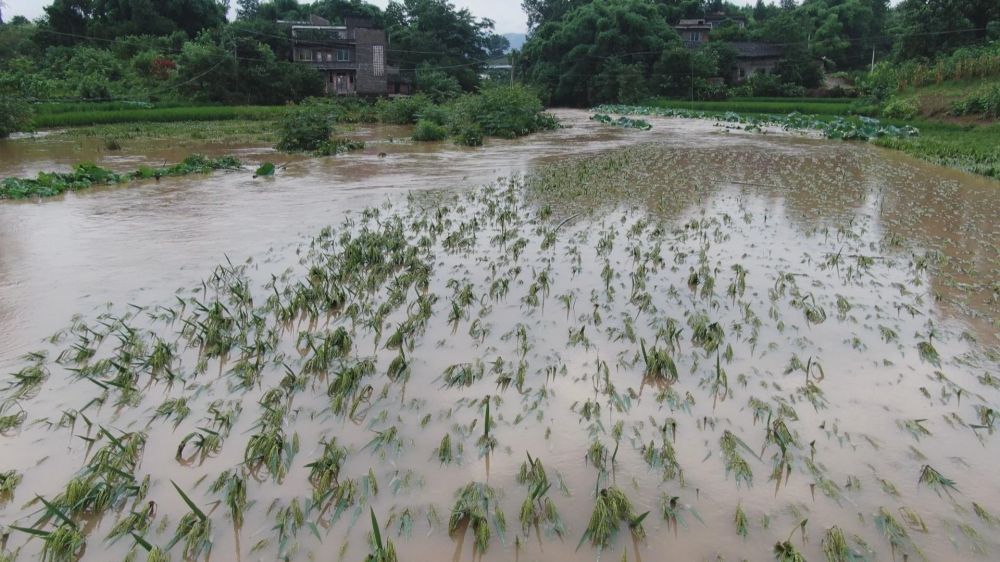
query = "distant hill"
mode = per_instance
[{"x": 516, "y": 39}]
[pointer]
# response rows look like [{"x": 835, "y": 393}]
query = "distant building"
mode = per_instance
[
  {"x": 693, "y": 32},
  {"x": 719, "y": 19},
  {"x": 755, "y": 58},
  {"x": 751, "y": 57},
  {"x": 352, "y": 57}
]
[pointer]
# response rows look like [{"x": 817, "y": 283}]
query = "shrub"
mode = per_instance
[
  {"x": 436, "y": 114},
  {"x": 351, "y": 110},
  {"x": 985, "y": 102},
  {"x": 15, "y": 116},
  {"x": 306, "y": 128},
  {"x": 437, "y": 85},
  {"x": 502, "y": 111},
  {"x": 468, "y": 134},
  {"x": 900, "y": 109},
  {"x": 429, "y": 131},
  {"x": 401, "y": 111}
]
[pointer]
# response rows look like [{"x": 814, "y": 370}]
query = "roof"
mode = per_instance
[
  {"x": 692, "y": 23},
  {"x": 753, "y": 50}
]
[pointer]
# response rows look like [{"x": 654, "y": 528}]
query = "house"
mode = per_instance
[
  {"x": 755, "y": 58},
  {"x": 693, "y": 32},
  {"x": 352, "y": 57},
  {"x": 751, "y": 57},
  {"x": 719, "y": 19}
]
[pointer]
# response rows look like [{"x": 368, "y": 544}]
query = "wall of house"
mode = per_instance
[
  {"x": 368, "y": 83},
  {"x": 746, "y": 68}
]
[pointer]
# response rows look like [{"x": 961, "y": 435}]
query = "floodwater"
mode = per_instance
[{"x": 829, "y": 272}]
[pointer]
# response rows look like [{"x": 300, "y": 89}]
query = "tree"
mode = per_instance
[
  {"x": 434, "y": 33},
  {"x": 497, "y": 45},
  {"x": 544, "y": 11},
  {"x": 247, "y": 9},
  {"x": 926, "y": 28},
  {"x": 585, "y": 57},
  {"x": 112, "y": 19}
]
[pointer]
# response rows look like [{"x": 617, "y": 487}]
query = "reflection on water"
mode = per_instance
[{"x": 824, "y": 266}]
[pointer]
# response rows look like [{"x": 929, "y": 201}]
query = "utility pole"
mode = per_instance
[{"x": 873, "y": 58}]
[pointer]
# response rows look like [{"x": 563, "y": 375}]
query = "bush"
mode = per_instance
[
  {"x": 437, "y": 85},
  {"x": 985, "y": 102},
  {"x": 401, "y": 111},
  {"x": 468, "y": 134},
  {"x": 896, "y": 108},
  {"x": 429, "y": 131},
  {"x": 437, "y": 114},
  {"x": 504, "y": 111},
  {"x": 15, "y": 116},
  {"x": 306, "y": 128}
]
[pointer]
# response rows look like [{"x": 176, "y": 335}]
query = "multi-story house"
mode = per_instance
[{"x": 352, "y": 57}]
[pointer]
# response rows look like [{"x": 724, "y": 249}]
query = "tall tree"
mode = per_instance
[
  {"x": 598, "y": 52},
  {"x": 542, "y": 11},
  {"x": 435, "y": 34},
  {"x": 118, "y": 18}
]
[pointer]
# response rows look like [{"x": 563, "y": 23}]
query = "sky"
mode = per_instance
[{"x": 506, "y": 14}]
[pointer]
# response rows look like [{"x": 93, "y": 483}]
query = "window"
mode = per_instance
[
  {"x": 378, "y": 60},
  {"x": 305, "y": 54},
  {"x": 329, "y": 56},
  {"x": 343, "y": 55},
  {"x": 696, "y": 36}
]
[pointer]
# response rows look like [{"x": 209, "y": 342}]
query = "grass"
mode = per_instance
[
  {"x": 81, "y": 116},
  {"x": 972, "y": 148},
  {"x": 231, "y": 131}
]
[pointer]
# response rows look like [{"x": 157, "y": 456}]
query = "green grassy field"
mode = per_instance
[
  {"x": 59, "y": 116},
  {"x": 973, "y": 148},
  {"x": 812, "y": 106}
]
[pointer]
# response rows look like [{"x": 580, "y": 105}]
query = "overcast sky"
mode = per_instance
[{"x": 506, "y": 13}]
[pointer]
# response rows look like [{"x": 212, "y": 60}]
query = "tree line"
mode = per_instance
[
  {"x": 98, "y": 50},
  {"x": 583, "y": 52},
  {"x": 579, "y": 52}
]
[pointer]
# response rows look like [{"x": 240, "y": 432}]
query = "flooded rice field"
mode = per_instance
[{"x": 684, "y": 344}]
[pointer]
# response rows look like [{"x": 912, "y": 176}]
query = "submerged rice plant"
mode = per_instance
[
  {"x": 611, "y": 509},
  {"x": 381, "y": 552},
  {"x": 476, "y": 508}
]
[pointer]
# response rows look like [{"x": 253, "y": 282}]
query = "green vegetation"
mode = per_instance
[
  {"x": 15, "y": 116},
  {"x": 85, "y": 176},
  {"x": 429, "y": 131},
  {"x": 612, "y": 508},
  {"x": 623, "y": 122},
  {"x": 809, "y": 106},
  {"x": 973, "y": 148},
  {"x": 855, "y": 128},
  {"x": 83, "y": 117},
  {"x": 494, "y": 111},
  {"x": 306, "y": 128},
  {"x": 184, "y": 52}
]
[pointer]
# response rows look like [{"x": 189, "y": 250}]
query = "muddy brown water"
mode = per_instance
[{"x": 772, "y": 203}]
